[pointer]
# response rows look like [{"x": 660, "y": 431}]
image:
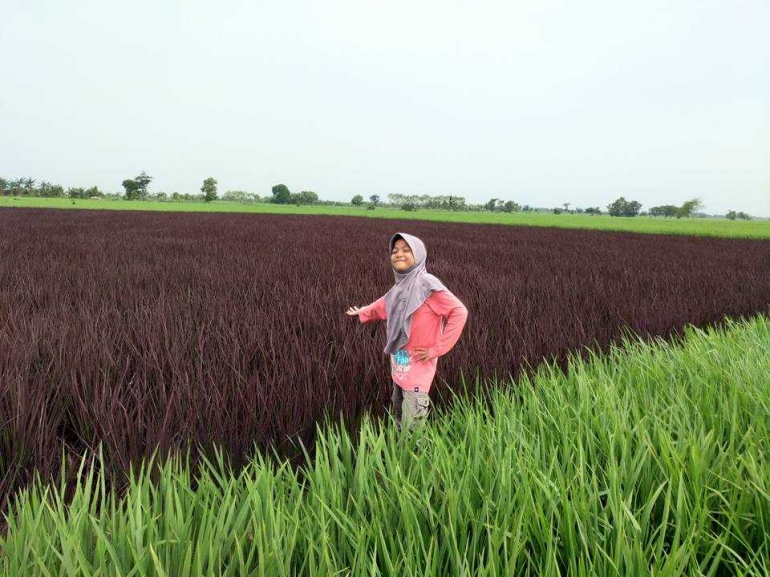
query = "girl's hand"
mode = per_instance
[
  {"x": 353, "y": 311},
  {"x": 421, "y": 354}
]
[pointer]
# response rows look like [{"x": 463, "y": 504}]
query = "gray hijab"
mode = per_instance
[{"x": 410, "y": 291}]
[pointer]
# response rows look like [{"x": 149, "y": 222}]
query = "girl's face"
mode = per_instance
[{"x": 401, "y": 258}]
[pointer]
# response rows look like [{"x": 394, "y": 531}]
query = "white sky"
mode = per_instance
[{"x": 542, "y": 102}]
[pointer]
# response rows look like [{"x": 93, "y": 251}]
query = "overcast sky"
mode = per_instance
[{"x": 542, "y": 102}]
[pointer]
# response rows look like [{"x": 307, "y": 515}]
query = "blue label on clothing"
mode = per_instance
[{"x": 401, "y": 361}]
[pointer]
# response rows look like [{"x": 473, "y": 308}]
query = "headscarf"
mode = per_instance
[{"x": 408, "y": 293}]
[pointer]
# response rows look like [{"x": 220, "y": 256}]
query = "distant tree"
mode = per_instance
[
  {"x": 566, "y": 206},
  {"x": 76, "y": 192},
  {"x": 409, "y": 206},
  {"x": 49, "y": 190},
  {"x": 374, "y": 199},
  {"x": 491, "y": 205},
  {"x": 666, "y": 211},
  {"x": 161, "y": 196},
  {"x": 456, "y": 203},
  {"x": 93, "y": 192},
  {"x": 28, "y": 186},
  {"x": 397, "y": 198},
  {"x": 131, "y": 189},
  {"x": 594, "y": 210},
  {"x": 688, "y": 208},
  {"x": 209, "y": 189},
  {"x": 557, "y": 210},
  {"x": 511, "y": 206},
  {"x": 731, "y": 215},
  {"x": 623, "y": 207},
  {"x": 16, "y": 187},
  {"x": 3, "y": 185},
  {"x": 136, "y": 188},
  {"x": 632, "y": 208},
  {"x": 357, "y": 200},
  {"x": 281, "y": 194},
  {"x": 616, "y": 208},
  {"x": 307, "y": 197},
  {"x": 142, "y": 182},
  {"x": 234, "y": 195}
]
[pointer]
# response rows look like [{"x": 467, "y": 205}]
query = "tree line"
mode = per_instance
[{"x": 137, "y": 188}]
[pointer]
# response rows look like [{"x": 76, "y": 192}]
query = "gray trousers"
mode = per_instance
[{"x": 409, "y": 407}]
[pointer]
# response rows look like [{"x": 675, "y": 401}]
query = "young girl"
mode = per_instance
[{"x": 414, "y": 309}]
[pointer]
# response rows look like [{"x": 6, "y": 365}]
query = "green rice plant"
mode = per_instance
[
  {"x": 722, "y": 227},
  {"x": 649, "y": 460}
]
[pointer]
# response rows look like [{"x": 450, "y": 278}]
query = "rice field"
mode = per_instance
[
  {"x": 648, "y": 460},
  {"x": 604, "y": 413}
]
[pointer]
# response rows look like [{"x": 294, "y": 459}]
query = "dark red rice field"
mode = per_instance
[{"x": 140, "y": 330}]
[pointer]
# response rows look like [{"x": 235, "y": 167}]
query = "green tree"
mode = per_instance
[
  {"x": 281, "y": 194},
  {"x": 307, "y": 197},
  {"x": 209, "y": 189},
  {"x": 136, "y": 188},
  {"x": 131, "y": 189},
  {"x": 234, "y": 195},
  {"x": 49, "y": 190},
  {"x": 357, "y": 200},
  {"x": 491, "y": 205},
  {"x": 511, "y": 206},
  {"x": 142, "y": 182},
  {"x": 374, "y": 199},
  {"x": 623, "y": 207},
  {"x": 666, "y": 211},
  {"x": 688, "y": 208}
]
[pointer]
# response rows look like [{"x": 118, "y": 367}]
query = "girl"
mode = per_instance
[{"x": 414, "y": 309}]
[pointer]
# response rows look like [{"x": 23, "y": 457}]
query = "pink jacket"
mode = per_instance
[{"x": 426, "y": 332}]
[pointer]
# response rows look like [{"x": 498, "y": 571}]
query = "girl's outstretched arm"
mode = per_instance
[{"x": 373, "y": 312}]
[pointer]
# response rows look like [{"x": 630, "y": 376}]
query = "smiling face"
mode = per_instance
[{"x": 401, "y": 257}]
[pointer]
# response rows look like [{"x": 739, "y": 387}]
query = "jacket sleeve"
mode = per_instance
[
  {"x": 447, "y": 305},
  {"x": 374, "y": 312}
]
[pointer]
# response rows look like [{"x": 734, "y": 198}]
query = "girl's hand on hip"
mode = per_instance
[
  {"x": 421, "y": 354},
  {"x": 353, "y": 311}
]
